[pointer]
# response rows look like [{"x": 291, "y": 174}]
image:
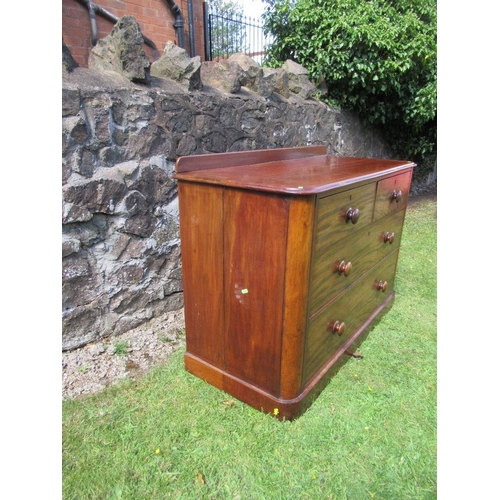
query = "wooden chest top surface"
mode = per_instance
[{"x": 299, "y": 176}]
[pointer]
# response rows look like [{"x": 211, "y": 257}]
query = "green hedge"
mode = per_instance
[{"x": 377, "y": 58}]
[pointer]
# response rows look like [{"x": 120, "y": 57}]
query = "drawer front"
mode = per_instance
[
  {"x": 339, "y": 265},
  {"x": 392, "y": 194},
  {"x": 352, "y": 308},
  {"x": 333, "y": 222}
]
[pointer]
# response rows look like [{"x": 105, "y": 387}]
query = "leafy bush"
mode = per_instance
[{"x": 377, "y": 58}]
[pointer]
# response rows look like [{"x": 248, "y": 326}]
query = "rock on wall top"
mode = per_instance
[{"x": 121, "y": 52}]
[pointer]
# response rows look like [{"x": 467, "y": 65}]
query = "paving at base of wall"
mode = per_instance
[{"x": 94, "y": 367}]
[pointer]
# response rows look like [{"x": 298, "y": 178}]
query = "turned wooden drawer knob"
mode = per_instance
[
  {"x": 397, "y": 195},
  {"x": 343, "y": 267},
  {"x": 352, "y": 215},
  {"x": 389, "y": 238},
  {"x": 337, "y": 327},
  {"x": 382, "y": 286}
]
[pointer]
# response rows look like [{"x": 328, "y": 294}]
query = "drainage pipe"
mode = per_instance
[
  {"x": 179, "y": 21},
  {"x": 192, "y": 49},
  {"x": 207, "y": 28},
  {"x": 93, "y": 22}
]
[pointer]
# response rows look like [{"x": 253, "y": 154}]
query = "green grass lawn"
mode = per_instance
[{"x": 370, "y": 434}]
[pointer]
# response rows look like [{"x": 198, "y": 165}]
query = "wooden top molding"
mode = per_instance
[
  {"x": 284, "y": 170},
  {"x": 240, "y": 158}
]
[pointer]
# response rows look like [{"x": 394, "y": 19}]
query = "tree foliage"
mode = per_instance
[{"x": 377, "y": 58}]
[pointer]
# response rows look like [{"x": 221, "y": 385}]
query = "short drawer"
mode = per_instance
[
  {"x": 340, "y": 264},
  {"x": 341, "y": 214},
  {"x": 346, "y": 314},
  {"x": 392, "y": 194}
]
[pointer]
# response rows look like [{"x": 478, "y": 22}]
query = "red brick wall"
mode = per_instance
[{"x": 154, "y": 17}]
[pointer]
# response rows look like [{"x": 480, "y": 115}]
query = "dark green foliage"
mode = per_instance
[{"x": 377, "y": 58}]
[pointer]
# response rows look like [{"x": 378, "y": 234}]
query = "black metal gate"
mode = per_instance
[{"x": 231, "y": 33}]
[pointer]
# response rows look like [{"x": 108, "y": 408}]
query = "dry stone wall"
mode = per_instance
[{"x": 120, "y": 237}]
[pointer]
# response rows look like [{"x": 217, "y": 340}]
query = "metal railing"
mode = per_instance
[{"x": 228, "y": 33}]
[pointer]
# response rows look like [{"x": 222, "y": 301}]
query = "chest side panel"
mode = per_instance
[
  {"x": 255, "y": 236},
  {"x": 200, "y": 214}
]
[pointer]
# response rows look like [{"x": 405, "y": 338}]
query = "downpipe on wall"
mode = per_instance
[
  {"x": 192, "y": 49},
  {"x": 178, "y": 23}
]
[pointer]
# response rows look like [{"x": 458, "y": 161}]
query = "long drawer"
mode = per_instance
[
  {"x": 332, "y": 327},
  {"x": 339, "y": 264}
]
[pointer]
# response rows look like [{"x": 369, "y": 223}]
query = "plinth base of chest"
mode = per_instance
[{"x": 286, "y": 408}]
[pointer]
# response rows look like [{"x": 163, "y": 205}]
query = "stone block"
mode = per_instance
[
  {"x": 298, "y": 81},
  {"x": 177, "y": 65},
  {"x": 68, "y": 63},
  {"x": 122, "y": 52},
  {"x": 222, "y": 76}
]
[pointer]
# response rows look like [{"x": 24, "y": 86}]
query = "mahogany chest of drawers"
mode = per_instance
[{"x": 288, "y": 257}]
